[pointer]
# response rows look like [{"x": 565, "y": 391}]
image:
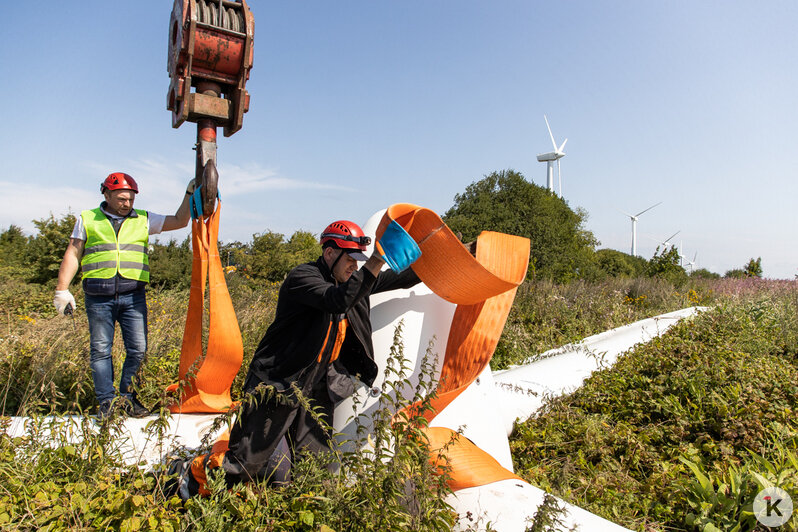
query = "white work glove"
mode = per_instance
[{"x": 62, "y": 300}]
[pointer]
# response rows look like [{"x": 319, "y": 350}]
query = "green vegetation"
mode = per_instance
[
  {"x": 562, "y": 249},
  {"x": 681, "y": 433},
  {"x": 85, "y": 485}
]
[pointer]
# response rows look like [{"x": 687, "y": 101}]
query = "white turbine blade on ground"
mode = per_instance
[
  {"x": 646, "y": 210},
  {"x": 550, "y": 134}
]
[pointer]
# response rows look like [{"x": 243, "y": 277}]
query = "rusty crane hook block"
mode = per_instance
[{"x": 210, "y": 56}]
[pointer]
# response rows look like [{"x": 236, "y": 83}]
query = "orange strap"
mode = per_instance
[
  {"x": 202, "y": 463},
  {"x": 208, "y": 390},
  {"x": 483, "y": 287},
  {"x": 339, "y": 340}
]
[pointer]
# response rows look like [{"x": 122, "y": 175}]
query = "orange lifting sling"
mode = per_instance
[
  {"x": 206, "y": 381},
  {"x": 483, "y": 287}
]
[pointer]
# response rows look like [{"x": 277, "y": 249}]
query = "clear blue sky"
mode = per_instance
[{"x": 357, "y": 105}]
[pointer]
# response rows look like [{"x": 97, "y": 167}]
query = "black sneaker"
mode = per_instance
[
  {"x": 105, "y": 409},
  {"x": 132, "y": 407}
]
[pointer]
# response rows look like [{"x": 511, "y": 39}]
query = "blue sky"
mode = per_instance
[{"x": 357, "y": 105}]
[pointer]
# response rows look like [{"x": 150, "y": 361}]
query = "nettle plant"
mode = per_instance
[{"x": 70, "y": 474}]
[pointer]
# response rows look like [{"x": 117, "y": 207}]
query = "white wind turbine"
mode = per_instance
[
  {"x": 667, "y": 242},
  {"x": 691, "y": 263},
  {"x": 549, "y": 159},
  {"x": 634, "y": 217}
]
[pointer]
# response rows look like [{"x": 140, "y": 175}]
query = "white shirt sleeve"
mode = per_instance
[
  {"x": 156, "y": 222},
  {"x": 79, "y": 232}
]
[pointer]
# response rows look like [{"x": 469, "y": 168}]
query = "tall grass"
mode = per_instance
[
  {"x": 679, "y": 435},
  {"x": 65, "y": 483}
]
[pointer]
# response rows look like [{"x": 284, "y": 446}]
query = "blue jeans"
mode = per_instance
[{"x": 130, "y": 310}]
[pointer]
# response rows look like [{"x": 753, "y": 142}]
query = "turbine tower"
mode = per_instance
[
  {"x": 691, "y": 263},
  {"x": 549, "y": 159},
  {"x": 634, "y": 217}
]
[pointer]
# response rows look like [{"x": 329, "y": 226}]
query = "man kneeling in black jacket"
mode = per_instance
[{"x": 320, "y": 339}]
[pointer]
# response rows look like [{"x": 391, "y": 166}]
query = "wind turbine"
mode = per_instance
[
  {"x": 667, "y": 241},
  {"x": 634, "y": 217},
  {"x": 549, "y": 159},
  {"x": 691, "y": 263}
]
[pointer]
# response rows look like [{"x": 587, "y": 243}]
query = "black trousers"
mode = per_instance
[{"x": 269, "y": 433}]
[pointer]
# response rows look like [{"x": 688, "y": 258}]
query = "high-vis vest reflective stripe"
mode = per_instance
[{"x": 107, "y": 253}]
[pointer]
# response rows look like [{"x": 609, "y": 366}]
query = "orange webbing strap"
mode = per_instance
[
  {"x": 208, "y": 390},
  {"x": 483, "y": 287},
  {"x": 203, "y": 462},
  {"x": 467, "y": 464}
]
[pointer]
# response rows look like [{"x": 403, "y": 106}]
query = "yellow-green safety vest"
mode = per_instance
[{"x": 107, "y": 253}]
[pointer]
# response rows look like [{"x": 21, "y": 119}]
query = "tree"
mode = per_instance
[
  {"x": 505, "y": 202},
  {"x": 736, "y": 273},
  {"x": 754, "y": 268},
  {"x": 13, "y": 247},
  {"x": 703, "y": 273},
  {"x": 170, "y": 264},
  {"x": 619, "y": 264},
  {"x": 665, "y": 265},
  {"x": 46, "y": 249},
  {"x": 270, "y": 257}
]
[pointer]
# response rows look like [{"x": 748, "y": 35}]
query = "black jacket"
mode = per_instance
[{"x": 309, "y": 304}]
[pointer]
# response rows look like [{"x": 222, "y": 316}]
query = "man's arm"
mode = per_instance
[
  {"x": 70, "y": 263},
  {"x": 180, "y": 219}
]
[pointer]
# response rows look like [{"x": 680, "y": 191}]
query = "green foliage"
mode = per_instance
[
  {"x": 75, "y": 478},
  {"x": 13, "y": 251},
  {"x": 703, "y": 273},
  {"x": 718, "y": 391},
  {"x": 665, "y": 265},
  {"x": 270, "y": 257},
  {"x": 754, "y": 268},
  {"x": 504, "y": 201},
  {"x": 547, "y": 315},
  {"x": 170, "y": 264},
  {"x": 46, "y": 249},
  {"x": 619, "y": 264},
  {"x": 736, "y": 273}
]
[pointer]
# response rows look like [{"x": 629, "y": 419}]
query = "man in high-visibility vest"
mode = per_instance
[{"x": 110, "y": 244}]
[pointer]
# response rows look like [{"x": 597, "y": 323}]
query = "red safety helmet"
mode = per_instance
[
  {"x": 119, "y": 181},
  {"x": 346, "y": 235}
]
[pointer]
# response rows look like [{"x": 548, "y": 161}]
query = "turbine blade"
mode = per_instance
[
  {"x": 673, "y": 235},
  {"x": 552, "y": 136},
  {"x": 641, "y": 212},
  {"x": 626, "y": 213},
  {"x": 562, "y": 146},
  {"x": 559, "y": 176}
]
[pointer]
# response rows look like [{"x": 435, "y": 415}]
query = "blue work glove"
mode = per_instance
[{"x": 397, "y": 247}]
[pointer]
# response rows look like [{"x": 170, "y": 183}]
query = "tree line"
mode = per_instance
[{"x": 562, "y": 248}]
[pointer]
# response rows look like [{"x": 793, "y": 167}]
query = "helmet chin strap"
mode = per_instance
[{"x": 332, "y": 266}]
